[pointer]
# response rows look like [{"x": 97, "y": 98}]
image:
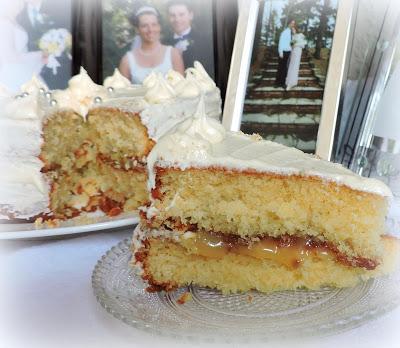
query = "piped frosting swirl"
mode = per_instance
[
  {"x": 80, "y": 94},
  {"x": 159, "y": 90},
  {"x": 117, "y": 81},
  {"x": 201, "y": 76},
  {"x": 174, "y": 78}
]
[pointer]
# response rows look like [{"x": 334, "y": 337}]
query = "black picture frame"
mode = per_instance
[{"x": 88, "y": 38}]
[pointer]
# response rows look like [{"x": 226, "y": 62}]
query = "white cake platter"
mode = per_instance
[{"x": 87, "y": 224}]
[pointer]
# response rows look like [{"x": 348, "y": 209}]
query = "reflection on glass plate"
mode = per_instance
[
  {"x": 211, "y": 315},
  {"x": 77, "y": 225}
]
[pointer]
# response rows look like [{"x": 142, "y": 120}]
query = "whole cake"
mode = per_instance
[
  {"x": 84, "y": 149},
  {"x": 235, "y": 212}
]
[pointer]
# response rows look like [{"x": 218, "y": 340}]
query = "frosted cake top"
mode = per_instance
[{"x": 203, "y": 142}]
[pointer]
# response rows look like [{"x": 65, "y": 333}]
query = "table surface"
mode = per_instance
[{"x": 46, "y": 300}]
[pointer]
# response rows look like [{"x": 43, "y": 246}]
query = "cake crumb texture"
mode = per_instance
[
  {"x": 100, "y": 167},
  {"x": 251, "y": 203}
]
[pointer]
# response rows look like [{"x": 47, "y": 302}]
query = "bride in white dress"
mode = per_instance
[
  {"x": 149, "y": 54},
  {"x": 17, "y": 65},
  {"x": 299, "y": 42}
]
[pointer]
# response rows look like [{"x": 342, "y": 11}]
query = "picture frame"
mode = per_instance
[
  {"x": 240, "y": 66},
  {"x": 89, "y": 37}
]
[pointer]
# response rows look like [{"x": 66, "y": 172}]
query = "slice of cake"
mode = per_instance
[
  {"x": 235, "y": 212},
  {"x": 84, "y": 149}
]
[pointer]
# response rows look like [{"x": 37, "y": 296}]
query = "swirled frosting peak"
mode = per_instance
[
  {"x": 82, "y": 85},
  {"x": 150, "y": 80},
  {"x": 188, "y": 87},
  {"x": 158, "y": 89},
  {"x": 189, "y": 142},
  {"x": 174, "y": 78},
  {"x": 80, "y": 94},
  {"x": 201, "y": 76},
  {"x": 117, "y": 81},
  {"x": 203, "y": 127}
]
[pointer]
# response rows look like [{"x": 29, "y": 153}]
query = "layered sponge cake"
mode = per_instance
[
  {"x": 235, "y": 212},
  {"x": 84, "y": 149}
]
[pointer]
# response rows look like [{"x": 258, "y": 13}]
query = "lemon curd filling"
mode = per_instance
[{"x": 291, "y": 252}]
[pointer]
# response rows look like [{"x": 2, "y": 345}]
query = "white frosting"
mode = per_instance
[
  {"x": 22, "y": 108},
  {"x": 201, "y": 76},
  {"x": 23, "y": 189},
  {"x": 188, "y": 88},
  {"x": 27, "y": 172},
  {"x": 80, "y": 93},
  {"x": 173, "y": 77},
  {"x": 117, "y": 81},
  {"x": 150, "y": 80},
  {"x": 202, "y": 142},
  {"x": 33, "y": 86},
  {"x": 159, "y": 90},
  {"x": 4, "y": 92}
]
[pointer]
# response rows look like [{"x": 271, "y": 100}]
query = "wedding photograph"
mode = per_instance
[
  {"x": 35, "y": 40},
  {"x": 290, "y": 60},
  {"x": 157, "y": 35}
]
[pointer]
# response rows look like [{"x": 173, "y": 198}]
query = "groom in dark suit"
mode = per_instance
[
  {"x": 284, "y": 49},
  {"x": 31, "y": 19},
  {"x": 192, "y": 45},
  {"x": 38, "y": 17}
]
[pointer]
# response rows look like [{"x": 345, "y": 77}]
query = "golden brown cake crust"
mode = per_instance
[{"x": 141, "y": 256}]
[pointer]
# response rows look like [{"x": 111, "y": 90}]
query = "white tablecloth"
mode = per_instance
[{"x": 46, "y": 300}]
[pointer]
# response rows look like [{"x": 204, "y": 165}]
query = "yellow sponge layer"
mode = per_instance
[
  {"x": 99, "y": 186},
  {"x": 168, "y": 265},
  {"x": 118, "y": 134},
  {"x": 253, "y": 204},
  {"x": 95, "y": 162}
]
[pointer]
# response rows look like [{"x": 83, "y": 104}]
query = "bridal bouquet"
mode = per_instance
[
  {"x": 299, "y": 40},
  {"x": 55, "y": 42}
]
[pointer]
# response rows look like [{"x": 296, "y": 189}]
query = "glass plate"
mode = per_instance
[{"x": 253, "y": 315}]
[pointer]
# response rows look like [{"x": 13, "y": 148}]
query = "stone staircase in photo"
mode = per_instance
[{"x": 289, "y": 117}]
